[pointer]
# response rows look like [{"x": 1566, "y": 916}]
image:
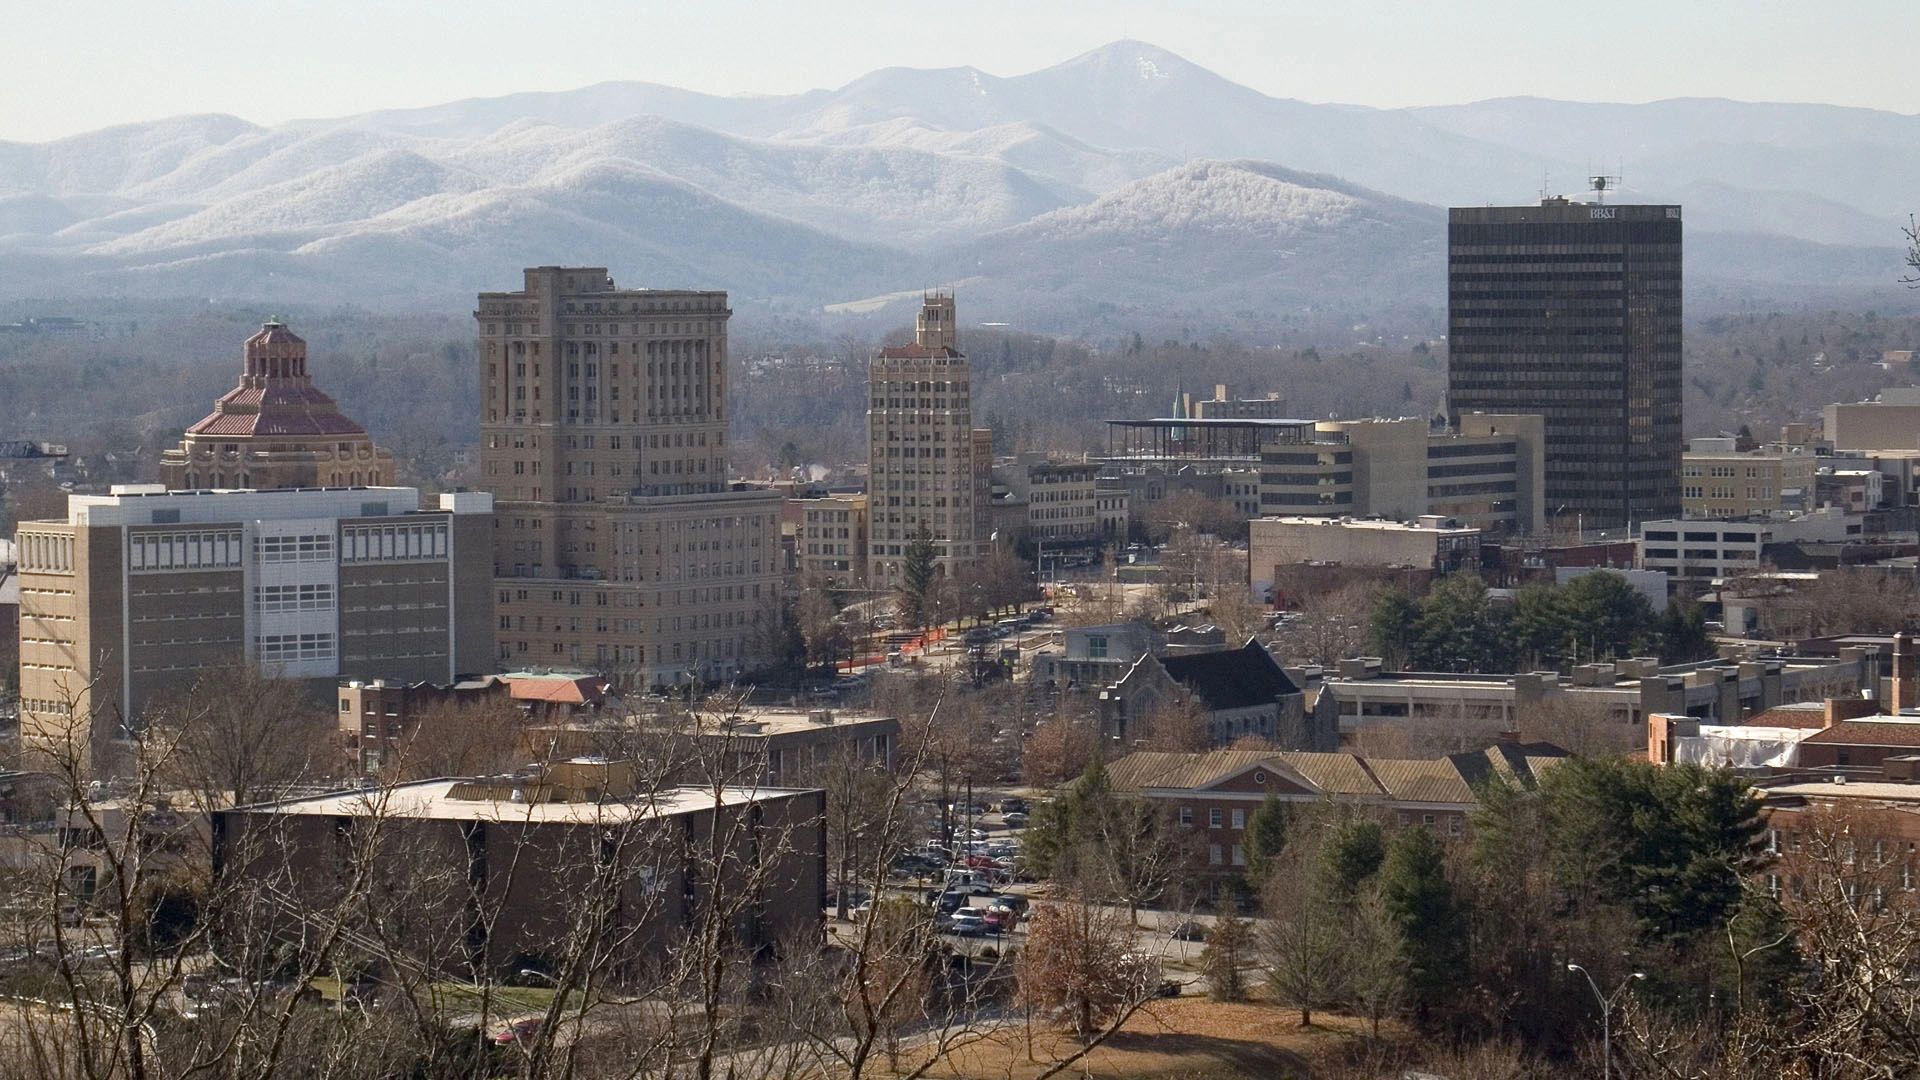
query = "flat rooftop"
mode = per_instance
[
  {"x": 1374, "y": 524},
  {"x": 433, "y": 800}
]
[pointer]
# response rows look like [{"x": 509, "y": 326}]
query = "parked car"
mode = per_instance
[
  {"x": 1016, "y": 820},
  {"x": 1017, "y": 904},
  {"x": 1190, "y": 930},
  {"x": 968, "y": 882},
  {"x": 509, "y": 1034},
  {"x": 967, "y": 922},
  {"x": 855, "y": 897},
  {"x": 1001, "y": 919},
  {"x": 977, "y": 834},
  {"x": 917, "y": 865},
  {"x": 860, "y": 913},
  {"x": 1012, "y": 805},
  {"x": 950, "y": 902}
]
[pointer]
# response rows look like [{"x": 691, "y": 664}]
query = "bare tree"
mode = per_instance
[
  {"x": 455, "y": 737},
  {"x": 1327, "y": 626},
  {"x": 1082, "y": 965},
  {"x": 237, "y": 732},
  {"x": 1303, "y": 936}
]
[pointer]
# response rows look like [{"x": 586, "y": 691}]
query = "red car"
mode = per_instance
[
  {"x": 519, "y": 1029},
  {"x": 1001, "y": 919}
]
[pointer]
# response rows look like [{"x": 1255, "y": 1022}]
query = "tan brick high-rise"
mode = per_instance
[
  {"x": 276, "y": 429},
  {"x": 922, "y": 448},
  {"x": 621, "y": 546}
]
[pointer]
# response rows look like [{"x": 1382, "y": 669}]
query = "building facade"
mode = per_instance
[
  {"x": 525, "y": 849},
  {"x": 1572, "y": 311},
  {"x": 622, "y": 545},
  {"x": 1889, "y": 422},
  {"x": 140, "y": 592},
  {"x": 1698, "y": 551},
  {"x": 830, "y": 539},
  {"x": 923, "y": 474},
  {"x": 1213, "y": 796},
  {"x": 1430, "y": 543},
  {"x": 276, "y": 429},
  {"x": 1060, "y": 497},
  {"x": 1717, "y": 479}
]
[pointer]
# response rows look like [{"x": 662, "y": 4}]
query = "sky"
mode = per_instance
[{"x": 68, "y": 66}]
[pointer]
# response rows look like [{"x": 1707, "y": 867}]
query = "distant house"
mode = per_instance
[{"x": 1239, "y": 692}]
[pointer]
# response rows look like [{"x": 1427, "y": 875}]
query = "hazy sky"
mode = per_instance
[{"x": 73, "y": 65}]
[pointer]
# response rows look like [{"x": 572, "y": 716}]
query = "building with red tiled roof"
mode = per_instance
[{"x": 276, "y": 429}]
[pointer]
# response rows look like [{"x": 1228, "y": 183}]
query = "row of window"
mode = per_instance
[
  {"x": 317, "y": 547},
  {"x": 270, "y": 598},
  {"x": 46, "y": 553},
  {"x": 290, "y": 647},
  {"x": 378, "y": 543}
]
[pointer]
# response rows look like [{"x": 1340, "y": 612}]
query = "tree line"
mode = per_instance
[{"x": 1458, "y": 626}]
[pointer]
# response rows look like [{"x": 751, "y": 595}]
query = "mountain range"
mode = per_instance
[{"x": 1125, "y": 184}]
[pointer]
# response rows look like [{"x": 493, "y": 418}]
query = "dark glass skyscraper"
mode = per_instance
[{"x": 1572, "y": 310}]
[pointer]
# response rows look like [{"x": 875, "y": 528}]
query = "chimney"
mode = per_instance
[
  {"x": 1903, "y": 688},
  {"x": 1839, "y": 709}
]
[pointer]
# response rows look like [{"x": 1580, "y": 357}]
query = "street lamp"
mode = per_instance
[{"x": 1606, "y": 1015}]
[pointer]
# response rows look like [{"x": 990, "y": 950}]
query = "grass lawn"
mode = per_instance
[
  {"x": 461, "y": 998},
  {"x": 1179, "y": 1039}
]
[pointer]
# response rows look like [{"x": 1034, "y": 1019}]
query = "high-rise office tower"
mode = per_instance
[
  {"x": 921, "y": 445},
  {"x": 620, "y": 545},
  {"x": 1572, "y": 310}
]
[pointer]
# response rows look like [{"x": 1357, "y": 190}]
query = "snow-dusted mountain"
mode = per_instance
[{"x": 1124, "y": 178}]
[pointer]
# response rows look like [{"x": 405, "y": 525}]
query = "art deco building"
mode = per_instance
[
  {"x": 1572, "y": 311},
  {"x": 275, "y": 430},
  {"x": 928, "y": 467},
  {"x": 621, "y": 546}
]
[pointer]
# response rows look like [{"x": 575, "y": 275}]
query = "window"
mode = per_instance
[
  {"x": 1186, "y": 815},
  {"x": 1213, "y": 854},
  {"x": 1239, "y": 819},
  {"x": 1239, "y": 855},
  {"x": 1455, "y": 825},
  {"x": 1427, "y": 820},
  {"x": 1213, "y": 818}
]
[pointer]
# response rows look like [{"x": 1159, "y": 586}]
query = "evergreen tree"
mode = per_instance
[
  {"x": 917, "y": 570},
  {"x": 1458, "y": 628},
  {"x": 1604, "y": 616},
  {"x": 1392, "y": 626},
  {"x": 1683, "y": 633},
  {"x": 1433, "y": 928},
  {"x": 1228, "y": 944},
  {"x": 1352, "y": 853},
  {"x": 1671, "y": 844},
  {"x": 1063, "y": 827},
  {"x": 1266, "y": 837}
]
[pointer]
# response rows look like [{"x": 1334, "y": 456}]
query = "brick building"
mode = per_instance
[
  {"x": 623, "y": 547},
  {"x": 525, "y": 849},
  {"x": 1211, "y": 796},
  {"x": 139, "y": 592}
]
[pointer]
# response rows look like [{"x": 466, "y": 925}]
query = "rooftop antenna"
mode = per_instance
[{"x": 1601, "y": 184}]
